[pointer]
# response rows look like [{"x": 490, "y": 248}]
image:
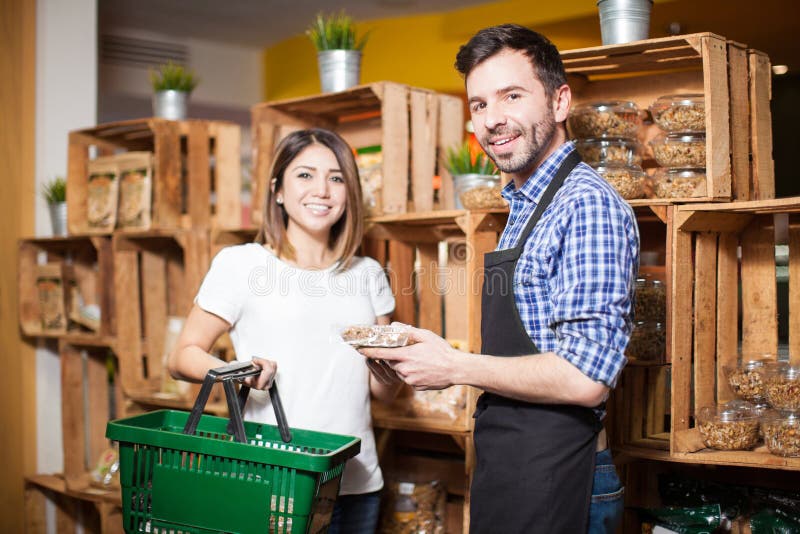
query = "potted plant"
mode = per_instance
[
  {"x": 172, "y": 84},
  {"x": 338, "y": 51},
  {"x": 475, "y": 179},
  {"x": 55, "y": 194}
]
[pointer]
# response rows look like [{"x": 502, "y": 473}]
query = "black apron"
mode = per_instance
[{"x": 534, "y": 461}]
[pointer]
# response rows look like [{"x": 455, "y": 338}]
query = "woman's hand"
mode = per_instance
[
  {"x": 383, "y": 373},
  {"x": 264, "y": 379}
]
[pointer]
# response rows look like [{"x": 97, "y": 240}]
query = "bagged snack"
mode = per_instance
[
  {"x": 135, "y": 190},
  {"x": 102, "y": 194},
  {"x": 50, "y": 287},
  {"x": 374, "y": 336},
  {"x": 414, "y": 508},
  {"x": 448, "y": 403},
  {"x": 369, "y": 161}
]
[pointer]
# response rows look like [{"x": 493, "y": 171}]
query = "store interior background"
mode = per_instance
[{"x": 91, "y": 63}]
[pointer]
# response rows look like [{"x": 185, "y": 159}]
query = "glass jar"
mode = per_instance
[
  {"x": 783, "y": 387},
  {"x": 648, "y": 342},
  {"x": 782, "y": 432},
  {"x": 650, "y": 303},
  {"x": 628, "y": 180},
  {"x": 748, "y": 379},
  {"x": 614, "y": 151},
  {"x": 679, "y": 183},
  {"x": 616, "y": 118},
  {"x": 728, "y": 429},
  {"x": 478, "y": 191},
  {"x": 680, "y": 151},
  {"x": 680, "y": 113}
]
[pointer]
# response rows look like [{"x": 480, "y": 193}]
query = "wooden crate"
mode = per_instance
[
  {"x": 194, "y": 162},
  {"x": 90, "y": 262},
  {"x": 413, "y": 126},
  {"x": 157, "y": 275},
  {"x": 724, "y": 263},
  {"x": 96, "y": 511},
  {"x": 731, "y": 80}
]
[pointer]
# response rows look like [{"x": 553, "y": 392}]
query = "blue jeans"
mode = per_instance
[
  {"x": 356, "y": 514},
  {"x": 608, "y": 496}
]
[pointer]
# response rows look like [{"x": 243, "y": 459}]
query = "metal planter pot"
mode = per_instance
[
  {"x": 623, "y": 21},
  {"x": 58, "y": 218},
  {"x": 170, "y": 105},
  {"x": 339, "y": 69}
]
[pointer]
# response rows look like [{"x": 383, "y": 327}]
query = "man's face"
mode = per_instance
[{"x": 514, "y": 121}]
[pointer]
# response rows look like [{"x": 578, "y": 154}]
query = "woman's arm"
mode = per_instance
[
  {"x": 384, "y": 384},
  {"x": 191, "y": 360}
]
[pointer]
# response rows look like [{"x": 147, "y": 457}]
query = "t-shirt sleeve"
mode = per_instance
[
  {"x": 380, "y": 291},
  {"x": 222, "y": 290}
]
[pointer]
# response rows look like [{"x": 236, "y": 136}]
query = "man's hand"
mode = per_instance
[
  {"x": 263, "y": 380},
  {"x": 427, "y": 362}
]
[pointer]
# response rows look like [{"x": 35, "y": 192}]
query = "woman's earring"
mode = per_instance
[{"x": 279, "y": 200}]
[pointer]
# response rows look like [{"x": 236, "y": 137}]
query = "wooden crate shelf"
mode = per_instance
[
  {"x": 89, "y": 261},
  {"x": 413, "y": 126},
  {"x": 194, "y": 162},
  {"x": 157, "y": 276},
  {"x": 735, "y": 83},
  {"x": 98, "y": 511}
]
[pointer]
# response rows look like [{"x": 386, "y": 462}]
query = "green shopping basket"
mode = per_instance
[{"x": 184, "y": 473}]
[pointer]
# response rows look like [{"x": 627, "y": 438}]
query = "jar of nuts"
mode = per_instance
[
  {"x": 680, "y": 113},
  {"x": 728, "y": 429},
  {"x": 628, "y": 180},
  {"x": 616, "y": 151},
  {"x": 782, "y": 432},
  {"x": 648, "y": 342},
  {"x": 478, "y": 191},
  {"x": 651, "y": 300},
  {"x": 748, "y": 380},
  {"x": 616, "y": 118},
  {"x": 679, "y": 183},
  {"x": 783, "y": 387},
  {"x": 680, "y": 150}
]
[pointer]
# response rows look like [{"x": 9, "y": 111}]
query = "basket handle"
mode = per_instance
[{"x": 227, "y": 374}]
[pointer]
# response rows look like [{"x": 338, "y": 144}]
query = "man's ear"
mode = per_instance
[{"x": 562, "y": 100}]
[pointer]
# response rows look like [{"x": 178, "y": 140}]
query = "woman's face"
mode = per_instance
[{"x": 313, "y": 192}]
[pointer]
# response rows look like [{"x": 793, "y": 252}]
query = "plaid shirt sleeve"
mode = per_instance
[{"x": 591, "y": 286}]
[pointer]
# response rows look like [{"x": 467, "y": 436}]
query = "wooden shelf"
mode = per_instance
[
  {"x": 57, "y": 484},
  {"x": 155, "y": 400},
  {"x": 419, "y": 424}
]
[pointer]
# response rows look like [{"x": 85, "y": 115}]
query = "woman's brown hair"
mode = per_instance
[{"x": 346, "y": 234}]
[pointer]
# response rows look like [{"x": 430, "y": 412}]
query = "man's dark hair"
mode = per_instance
[{"x": 543, "y": 54}]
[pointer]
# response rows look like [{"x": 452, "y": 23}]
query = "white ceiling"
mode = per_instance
[{"x": 258, "y": 23}]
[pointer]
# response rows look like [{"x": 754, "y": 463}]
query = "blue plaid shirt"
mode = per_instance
[{"x": 574, "y": 281}]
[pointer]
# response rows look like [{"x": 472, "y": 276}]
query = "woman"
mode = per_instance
[{"x": 281, "y": 299}]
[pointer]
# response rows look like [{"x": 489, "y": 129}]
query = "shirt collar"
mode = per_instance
[{"x": 534, "y": 187}]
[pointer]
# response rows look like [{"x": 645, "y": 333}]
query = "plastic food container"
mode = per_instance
[
  {"x": 651, "y": 300},
  {"x": 782, "y": 432},
  {"x": 648, "y": 342},
  {"x": 680, "y": 150},
  {"x": 615, "y": 151},
  {"x": 783, "y": 387},
  {"x": 678, "y": 183},
  {"x": 478, "y": 191},
  {"x": 728, "y": 429},
  {"x": 628, "y": 180},
  {"x": 616, "y": 118},
  {"x": 680, "y": 113},
  {"x": 374, "y": 335},
  {"x": 748, "y": 380}
]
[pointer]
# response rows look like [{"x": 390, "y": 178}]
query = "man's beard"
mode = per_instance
[{"x": 537, "y": 140}]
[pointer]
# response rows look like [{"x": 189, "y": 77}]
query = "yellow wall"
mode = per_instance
[{"x": 420, "y": 50}]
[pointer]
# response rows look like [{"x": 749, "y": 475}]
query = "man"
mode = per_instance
[{"x": 553, "y": 347}]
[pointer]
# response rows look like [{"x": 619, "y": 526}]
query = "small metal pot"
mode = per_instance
[
  {"x": 339, "y": 69},
  {"x": 58, "y": 218},
  {"x": 623, "y": 21},
  {"x": 170, "y": 105}
]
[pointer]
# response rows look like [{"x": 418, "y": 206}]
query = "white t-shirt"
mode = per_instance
[{"x": 289, "y": 315}]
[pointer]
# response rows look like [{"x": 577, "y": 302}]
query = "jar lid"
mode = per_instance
[
  {"x": 616, "y": 106},
  {"x": 608, "y": 141},
  {"x": 782, "y": 416},
  {"x": 723, "y": 413},
  {"x": 678, "y": 138},
  {"x": 670, "y": 174},
  {"x": 686, "y": 99},
  {"x": 613, "y": 166},
  {"x": 785, "y": 371}
]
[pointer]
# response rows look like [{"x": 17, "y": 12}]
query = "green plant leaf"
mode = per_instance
[
  {"x": 335, "y": 31},
  {"x": 457, "y": 160},
  {"x": 55, "y": 190},
  {"x": 173, "y": 77}
]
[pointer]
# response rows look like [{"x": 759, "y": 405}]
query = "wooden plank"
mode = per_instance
[
  {"x": 794, "y": 289},
  {"x": 77, "y": 183},
  {"x": 35, "y": 518},
  {"x": 759, "y": 291},
  {"x": 73, "y": 424},
  {"x": 703, "y": 221},
  {"x": 430, "y": 294},
  {"x": 167, "y": 190},
  {"x": 705, "y": 315},
  {"x": 27, "y": 294},
  {"x": 659, "y": 393},
  {"x": 451, "y": 134},
  {"x": 263, "y": 145},
  {"x": 395, "y": 145},
  {"x": 97, "y": 392},
  {"x": 681, "y": 320},
  {"x": 478, "y": 243},
  {"x": 176, "y": 282},
  {"x": 154, "y": 300},
  {"x": 740, "y": 122},
  {"x": 196, "y": 261},
  {"x": 636, "y": 408},
  {"x": 228, "y": 175},
  {"x": 424, "y": 124},
  {"x": 727, "y": 310},
  {"x": 763, "y": 172},
  {"x": 717, "y": 103},
  {"x": 105, "y": 283},
  {"x": 198, "y": 178},
  {"x": 401, "y": 278},
  {"x": 129, "y": 325},
  {"x": 455, "y": 282}
]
